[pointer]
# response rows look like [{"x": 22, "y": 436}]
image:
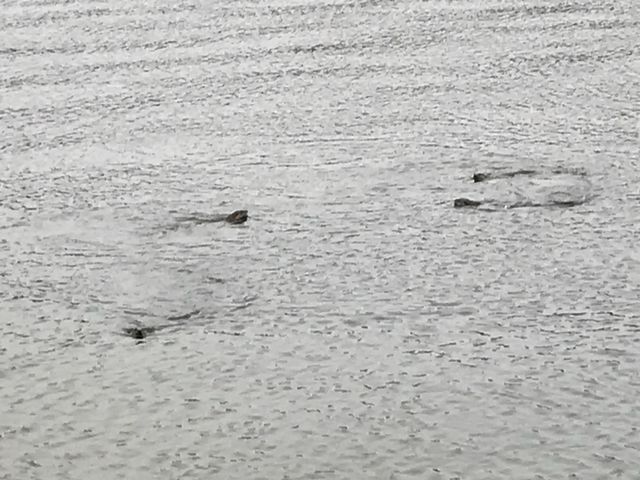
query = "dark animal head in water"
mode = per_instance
[
  {"x": 135, "y": 332},
  {"x": 237, "y": 217},
  {"x": 465, "y": 202},
  {"x": 482, "y": 177}
]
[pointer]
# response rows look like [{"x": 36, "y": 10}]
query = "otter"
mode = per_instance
[
  {"x": 139, "y": 333},
  {"x": 465, "y": 202},
  {"x": 468, "y": 203},
  {"x": 235, "y": 218},
  {"x": 482, "y": 177},
  {"x": 142, "y": 332},
  {"x": 570, "y": 189}
]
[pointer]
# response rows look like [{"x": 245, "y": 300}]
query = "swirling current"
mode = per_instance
[{"x": 357, "y": 325}]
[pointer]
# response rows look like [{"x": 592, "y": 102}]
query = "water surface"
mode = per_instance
[{"x": 357, "y": 326}]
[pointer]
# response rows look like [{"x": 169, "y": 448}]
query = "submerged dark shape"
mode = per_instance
[
  {"x": 465, "y": 202},
  {"x": 481, "y": 177}
]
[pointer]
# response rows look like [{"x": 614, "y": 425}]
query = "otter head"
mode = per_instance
[
  {"x": 237, "y": 217},
  {"x": 480, "y": 177},
  {"x": 465, "y": 202},
  {"x": 135, "y": 332}
]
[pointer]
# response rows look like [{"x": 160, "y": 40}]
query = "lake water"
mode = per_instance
[{"x": 357, "y": 326}]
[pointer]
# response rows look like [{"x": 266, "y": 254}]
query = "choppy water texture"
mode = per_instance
[{"x": 357, "y": 326}]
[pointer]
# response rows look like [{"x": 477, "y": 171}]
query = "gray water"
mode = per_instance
[{"x": 357, "y": 326}]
